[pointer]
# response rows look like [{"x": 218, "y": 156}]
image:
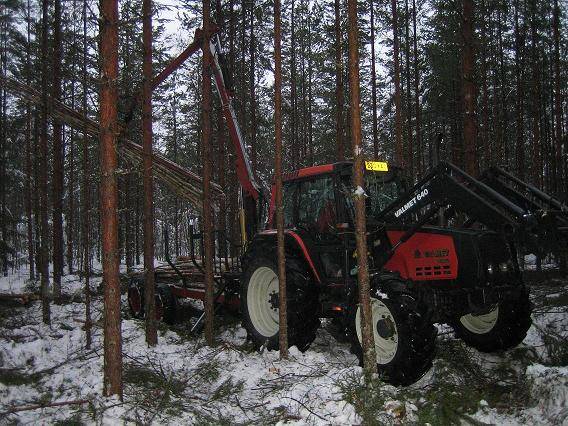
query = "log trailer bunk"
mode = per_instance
[{"x": 464, "y": 273}]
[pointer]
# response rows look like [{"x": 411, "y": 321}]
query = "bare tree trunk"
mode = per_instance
[
  {"x": 206, "y": 158},
  {"x": 557, "y": 100},
  {"x": 374, "y": 83},
  {"x": 252, "y": 78},
  {"x": 398, "y": 155},
  {"x": 339, "y": 97},
  {"x": 109, "y": 197},
  {"x": 43, "y": 201},
  {"x": 410, "y": 144},
  {"x": 86, "y": 195},
  {"x": 417, "y": 91},
  {"x": 57, "y": 178},
  {"x": 282, "y": 314},
  {"x": 28, "y": 188},
  {"x": 519, "y": 98},
  {"x": 536, "y": 163},
  {"x": 469, "y": 91},
  {"x": 369, "y": 358},
  {"x": 149, "y": 299}
]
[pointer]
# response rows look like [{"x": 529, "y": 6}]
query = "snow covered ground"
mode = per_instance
[{"x": 182, "y": 381}]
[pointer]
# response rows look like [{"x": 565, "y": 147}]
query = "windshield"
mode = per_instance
[{"x": 381, "y": 189}]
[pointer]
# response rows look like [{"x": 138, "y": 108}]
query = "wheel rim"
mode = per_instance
[
  {"x": 261, "y": 295},
  {"x": 135, "y": 300},
  {"x": 480, "y": 324},
  {"x": 387, "y": 344}
]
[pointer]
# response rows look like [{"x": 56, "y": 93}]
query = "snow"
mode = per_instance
[
  {"x": 231, "y": 382},
  {"x": 359, "y": 192}
]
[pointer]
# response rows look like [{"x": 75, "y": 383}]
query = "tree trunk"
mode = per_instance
[
  {"x": 29, "y": 176},
  {"x": 339, "y": 97},
  {"x": 369, "y": 358},
  {"x": 410, "y": 145},
  {"x": 469, "y": 91},
  {"x": 398, "y": 154},
  {"x": 282, "y": 314},
  {"x": 536, "y": 163},
  {"x": 43, "y": 200},
  {"x": 252, "y": 78},
  {"x": 149, "y": 299},
  {"x": 86, "y": 195},
  {"x": 557, "y": 101},
  {"x": 374, "y": 84},
  {"x": 417, "y": 91},
  {"x": 109, "y": 197},
  {"x": 206, "y": 159},
  {"x": 57, "y": 178},
  {"x": 519, "y": 99}
]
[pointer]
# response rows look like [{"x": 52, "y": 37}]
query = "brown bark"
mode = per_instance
[
  {"x": 293, "y": 81},
  {"x": 374, "y": 83},
  {"x": 536, "y": 163},
  {"x": 151, "y": 332},
  {"x": 417, "y": 91},
  {"x": 409, "y": 142},
  {"x": 469, "y": 90},
  {"x": 339, "y": 97},
  {"x": 109, "y": 197},
  {"x": 57, "y": 177},
  {"x": 369, "y": 358},
  {"x": 206, "y": 159},
  {"x": 559, "y": 172},
  {"x": 86, "y": 194},
  {"x": 519, "y": 99},
  {"x": 398, "y": 154},
  {"x": 252, "y": 78},
  {"x": 282, "y": 314},
  {"x": 42, "y": 171},
  {"x": 28, "y": 182}
]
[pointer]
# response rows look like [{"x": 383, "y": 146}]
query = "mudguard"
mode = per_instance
[{"x": 294, "y": 243}]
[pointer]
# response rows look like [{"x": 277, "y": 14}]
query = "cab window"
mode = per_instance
[{"x": 316, "y": 204}]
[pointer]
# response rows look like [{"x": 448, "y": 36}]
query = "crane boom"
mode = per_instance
[{"x": 244, "y": 170}]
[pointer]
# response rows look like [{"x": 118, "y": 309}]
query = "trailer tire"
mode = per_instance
[
  {"x": 259, "y": 303},
  {"x": 502, "y": 328},
  {"x": 169, "y": 304},
  {"x": 405, "y": 343}
]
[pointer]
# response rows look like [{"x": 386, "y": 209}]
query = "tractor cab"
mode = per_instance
[{"x": 320, "y": 198}]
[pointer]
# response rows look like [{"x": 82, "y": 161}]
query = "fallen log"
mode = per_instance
[
  {"x": 24, "y": 298},
  {"x": 51, "y": 404}
]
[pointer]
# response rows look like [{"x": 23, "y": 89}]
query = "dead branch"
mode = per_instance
[{"x": 36, "y": 406}]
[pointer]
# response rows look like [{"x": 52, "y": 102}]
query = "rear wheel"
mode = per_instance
[
  {"x": 260, "y": 301},
  {"x": 405, "y": 341},
  {"x": 503, "y": 326}
]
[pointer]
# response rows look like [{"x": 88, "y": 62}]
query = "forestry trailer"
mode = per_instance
[{"x": 444, "y": 250}]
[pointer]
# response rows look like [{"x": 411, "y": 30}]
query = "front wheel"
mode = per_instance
[
  {"x": 405, "y": 341},
  {"x": 260, "y": 303},
  {"x": 502, "y": 327}
]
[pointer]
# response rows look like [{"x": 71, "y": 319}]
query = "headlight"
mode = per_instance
[{"x": 503, "y": 267}]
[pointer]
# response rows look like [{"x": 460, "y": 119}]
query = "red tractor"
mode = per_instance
[{"x": 442, "y": 251}]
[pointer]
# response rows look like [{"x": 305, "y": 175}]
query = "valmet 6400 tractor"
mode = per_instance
[{"x": 442, "y": 251}]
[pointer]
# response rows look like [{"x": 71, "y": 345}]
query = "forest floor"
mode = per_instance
[{"x": 182, "y": 381}]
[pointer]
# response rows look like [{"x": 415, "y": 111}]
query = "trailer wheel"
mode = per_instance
[
  {"x": 166, "y": 304},
  {"x": 405, "y": 340},
  {"x": 259, "y": 303},
  {"x": 136, "y": 298},
  {"x": 503, "y": 327}
]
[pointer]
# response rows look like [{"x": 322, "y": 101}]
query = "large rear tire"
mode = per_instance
[
  {"x": 405, "y": 340},
  {"x": 259, "y": 303},
  {"x": 502, "y": 327}
]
